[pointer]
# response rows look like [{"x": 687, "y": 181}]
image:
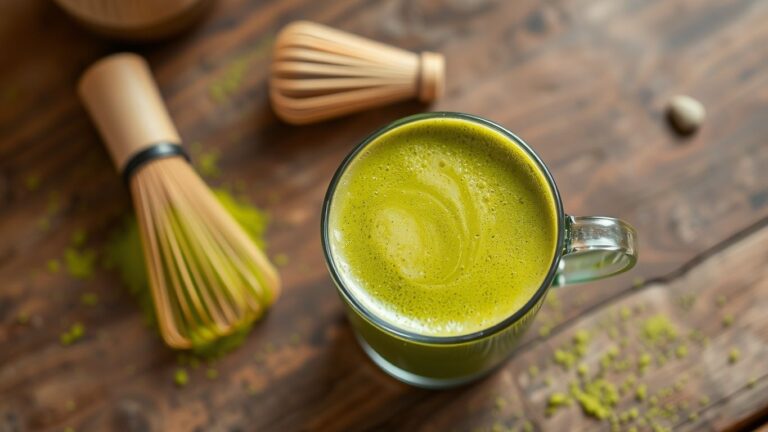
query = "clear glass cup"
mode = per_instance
[{"x": 588, "y": 248}]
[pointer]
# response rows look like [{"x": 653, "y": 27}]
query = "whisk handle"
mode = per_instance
[
  {"x": 123, "y": 100},
  {"x": 431, "y": 76}
]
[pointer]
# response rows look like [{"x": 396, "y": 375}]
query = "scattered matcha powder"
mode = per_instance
[
  {"x": 625, "y": 313},
  {"x": 638, "y": 282},
  {"x": 658, "y": 330},
  {"x": 533, "y": 371},
  {"x": 624, "y": 342},
  {"x": 582, "y": 370},
  {"x": 74, "y": 334},
  {"x": 751, "y": 383},
  {"x": 681, "y": 351},
  {"x": 80, "y": 264},
  {"x": 281, "y": 259},
  {"x": 89, "y": 299},
  {"x": 208, "y": 163},
  {"x": 641, "y": 392},
  {"x": 22, "y": 318},
  {"x": 704, "y": 400},
  {"x": 596, "y": 398},
  {"x": 720, "y": 300},
  {"x": 557, "y": 400},
  {"x": 79, "y": 237},
  {"x": 527, "y": 426},
  {"x": 212, "y": 373},
  {"x": 678, "y": 385},
  {"x": 564, "y": 358},
  {"x": 500, "y": 403},
  {"x": 545, "y": 330},
  {"x": 229, "y": 82},
  {"x": 52, "y": 208},
  {"x": 53, "y": 265},
  {"x": 581, "y": 337},
  {"x": 734, "y": 355},
  {"x": 180, "y": 377},
  {"x": 727, "y": 320}
]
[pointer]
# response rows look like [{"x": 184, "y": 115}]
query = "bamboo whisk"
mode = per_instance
[
  {"x": 206, "y": 276},
  {"x": 136, "y": 20},
  {"x": 319, "y": 73}
]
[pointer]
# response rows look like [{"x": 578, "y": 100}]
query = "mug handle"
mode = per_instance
[{"x": 596, "y": 247}]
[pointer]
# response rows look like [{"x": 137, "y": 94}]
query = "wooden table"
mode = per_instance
[{"x": 585, "y": 82}]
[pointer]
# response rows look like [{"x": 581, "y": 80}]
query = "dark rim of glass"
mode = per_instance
[{"x": 441, "y": 340}]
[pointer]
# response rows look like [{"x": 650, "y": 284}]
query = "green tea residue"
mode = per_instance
[
  {"x": 229, "y": 82},
  {"x": 53, "y": 265},
  {"x": 658, "y": 330},
  {"x": 79, "y": 237},
  {"x": 212, "y": 373},
  {"x": 206, "y": 161},
  {"x": 73, "y": 334},
  {"x": 727, "y": 320},
  {"x": 124, "y": 254},
  {"x": 253, "y": 220},
  {"x": 597, "y": 398},
  {"x": 80, "y": 263},
  {"x": 23, "y": 318},
  {"x": 51, "y": 210},
  {"x": 89, "y": 299},
  {"x": 734, "y": 355},
  {"x": 181, "y": 377},
  {"x": 557, "y": 400},
  {"x": 280, "y": 260}
]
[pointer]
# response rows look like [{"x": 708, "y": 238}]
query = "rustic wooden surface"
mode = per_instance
[{"x": 584, "y": 82}]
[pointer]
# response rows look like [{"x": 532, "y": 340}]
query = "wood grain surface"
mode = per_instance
[{"x": 584, "y": 82}]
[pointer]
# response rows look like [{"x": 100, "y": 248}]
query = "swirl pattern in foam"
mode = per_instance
[{"x": 442, "y": 227}]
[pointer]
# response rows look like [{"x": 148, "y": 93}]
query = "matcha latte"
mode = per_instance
[{"x": 442, "y": 227}]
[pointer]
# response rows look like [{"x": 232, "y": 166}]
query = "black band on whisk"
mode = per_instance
[{"x": 156, "y": 151}]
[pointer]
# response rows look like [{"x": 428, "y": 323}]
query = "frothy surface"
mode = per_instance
[{"x": 442, "y": 227}]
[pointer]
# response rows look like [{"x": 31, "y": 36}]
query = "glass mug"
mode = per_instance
[{"x": 587, "y": 248}]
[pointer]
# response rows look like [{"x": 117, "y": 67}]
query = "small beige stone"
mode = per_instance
[{"x": 686, "y": 114}]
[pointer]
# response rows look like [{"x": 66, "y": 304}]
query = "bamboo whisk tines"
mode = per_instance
[{"x": 319, "y": 73}]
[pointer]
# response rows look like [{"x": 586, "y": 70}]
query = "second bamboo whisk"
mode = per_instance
[
  {"x": 319, "y": 73},
  {"x": 207, "y": 277}
]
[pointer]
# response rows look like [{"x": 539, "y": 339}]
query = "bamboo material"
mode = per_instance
[
  {"x": 136, "y": 19},
  {"x": 319, "y": 73},
  {"x": 126, "y": 106},
  {"x": 206, "y": 276}
]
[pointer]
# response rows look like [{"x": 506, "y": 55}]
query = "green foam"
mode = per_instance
[{"x": 443, "y": 227}]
